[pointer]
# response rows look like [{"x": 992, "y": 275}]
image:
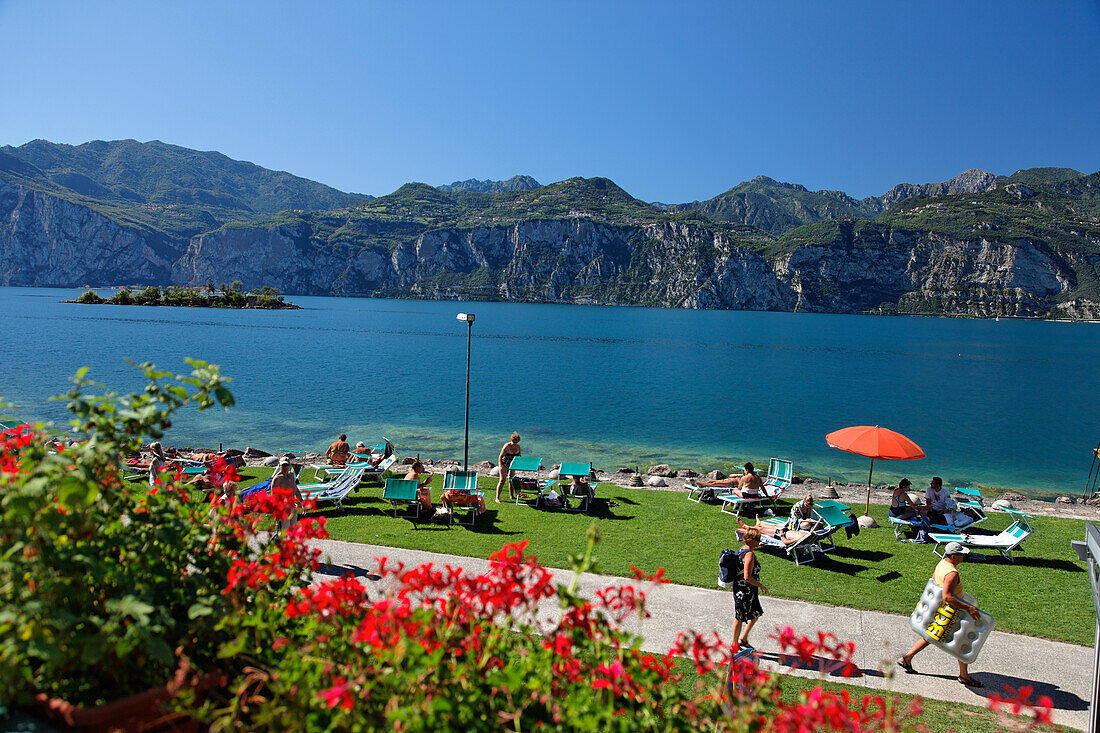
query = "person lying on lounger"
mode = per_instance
[
  {"x": 748, "y": 485},
  {"x": 783, "y": 534}
]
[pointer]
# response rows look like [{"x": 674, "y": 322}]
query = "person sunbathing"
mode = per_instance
[
  {"x": 423, "y": 488},
  {"x": 784, "y": 534},
  {"x": 747, "y": 486},
  {"x": 902, "y": 505},
  {"x": 363, "y": 453},
  {"x": 581, "y": 487},
  {"x": 339, "y": 452}
]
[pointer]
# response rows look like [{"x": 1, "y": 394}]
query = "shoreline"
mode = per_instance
[{"x": 853, "y": 494}]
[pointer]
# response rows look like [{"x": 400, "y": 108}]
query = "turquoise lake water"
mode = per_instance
[{"x": 1003, "y": 403}]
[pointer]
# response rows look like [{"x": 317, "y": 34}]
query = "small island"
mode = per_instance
[{"x": 232, "y": 296}]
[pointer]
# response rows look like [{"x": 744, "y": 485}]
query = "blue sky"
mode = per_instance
[{"x": 673, "y": 101}]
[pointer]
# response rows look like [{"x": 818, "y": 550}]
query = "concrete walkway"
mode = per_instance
[{"x": 1060, "y": 671}]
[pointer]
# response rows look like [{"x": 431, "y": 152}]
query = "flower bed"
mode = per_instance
[{"x": 108, "y": 588}]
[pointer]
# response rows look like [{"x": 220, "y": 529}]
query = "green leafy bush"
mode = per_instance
[{"x": 101, "y": 582}]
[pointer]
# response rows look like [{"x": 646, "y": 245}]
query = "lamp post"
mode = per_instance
[{"x": 469, "y": 318}]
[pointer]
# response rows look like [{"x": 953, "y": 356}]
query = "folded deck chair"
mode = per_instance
[
  {"x": 1005, "y": 543},
  {"x": 565, "y": 476},
  {"x": 402, "y": 492},
  {"x": 333, "y": 491},
  {"x": 528, "y": 487},
  {"x": 805, "y": 550},
  {"x": 460, "y": 494}
]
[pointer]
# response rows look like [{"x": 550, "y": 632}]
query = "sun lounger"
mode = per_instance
[
  {"x": 266, "y": 483},
  {"x": 833, "y": 516},
  {"x": 527, "y": 487},
  {"x": 1007, "y": 542},
  {"x": 969, "y": 512},
  {"x": 460, "y": 494},
  {"x": 778, "y": 480},
  {"x": 334, "y": 491},
  {"x": 733, "y": 504},
  {"x": 565, "y": 475},
  {"x": 805, "y": 550},
  {"x": 402, "y": 492}
]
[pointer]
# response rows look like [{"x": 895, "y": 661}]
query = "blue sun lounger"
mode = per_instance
[
  {"x": 526, "y": 487},
  {"x": 578, "y": 470},
  {"x": 1006, "y": 542},
  {"x": 402, "y": 492},
  {"x": 802, "y": 552}
]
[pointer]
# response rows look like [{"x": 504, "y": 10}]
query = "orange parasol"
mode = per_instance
[{"x": 874, "y": 442}]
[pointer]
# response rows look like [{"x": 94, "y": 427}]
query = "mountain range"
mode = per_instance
[{"x": 124, "y": 212}]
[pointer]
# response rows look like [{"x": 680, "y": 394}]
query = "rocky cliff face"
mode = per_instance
[
  {"x": 666, "y": 264},
  {"x": 48, "y": 241}
]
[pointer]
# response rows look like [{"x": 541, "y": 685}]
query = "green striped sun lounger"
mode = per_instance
[{"x": 460, "y": 495}]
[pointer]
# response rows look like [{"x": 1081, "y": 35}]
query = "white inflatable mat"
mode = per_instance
[{"x": 951, "y": 629}]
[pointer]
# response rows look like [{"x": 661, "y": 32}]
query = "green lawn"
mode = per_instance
[{"x": 1044, "y": 593}]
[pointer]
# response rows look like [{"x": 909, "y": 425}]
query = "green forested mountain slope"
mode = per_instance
[
  {"x": 134, "y": 213},
  {"x": 176, "y": 190}
]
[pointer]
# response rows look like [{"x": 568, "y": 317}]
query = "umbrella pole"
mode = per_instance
[{"x": 867, "y": 510}]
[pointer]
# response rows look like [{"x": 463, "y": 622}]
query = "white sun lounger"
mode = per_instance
[
  {"x": 334, "y": 491},
  {"x": 1008, "y": 541},
  {"x": 806, "y": 549}
]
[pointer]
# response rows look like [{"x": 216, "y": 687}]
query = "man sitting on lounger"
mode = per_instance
[
  {"x": 339, "y": 452},
  {"x": 362, "y": 453},
  {"x": 748, "y": 485}
]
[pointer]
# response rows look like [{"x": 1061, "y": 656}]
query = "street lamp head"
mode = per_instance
[{"x": 468, "y": 317}]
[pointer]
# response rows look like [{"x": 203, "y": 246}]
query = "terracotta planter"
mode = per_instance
[{"x": 143, "y": 711}]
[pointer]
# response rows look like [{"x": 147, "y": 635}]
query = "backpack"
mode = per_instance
[{"x": 729, "y": 568}]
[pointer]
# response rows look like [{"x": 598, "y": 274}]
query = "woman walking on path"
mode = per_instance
[
  {"x": 507, "y": 453},
  {"x": 746, "y": 589},
  {"x": 947, "y": 577}
]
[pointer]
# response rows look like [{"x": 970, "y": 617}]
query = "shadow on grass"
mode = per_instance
[
  {"x": 887, "y": 577},
  {"x": 857, "y": 554},
  {"x": 625, "y": 500},
  {"x": 829, "y": 562},
  {"x": 1037, "y": 562}
]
